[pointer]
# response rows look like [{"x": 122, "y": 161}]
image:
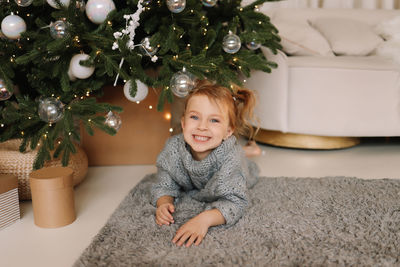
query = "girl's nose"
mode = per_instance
[{"x": 202, "y": 125}]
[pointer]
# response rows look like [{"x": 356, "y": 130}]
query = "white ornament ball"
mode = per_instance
[
  {"x": 231, "y": 43},
  {"x": 97, "y": 10},
  {"x": 141, "y": 92},
  {"x": 12, "y": 26},
  {"x": 77, "y": 70},
  {"x": 70, "y": 75},
  {"x": 176, "y": 6},
  {"x": 53, "y": 3},
  {"x": 23, "y": 3}
]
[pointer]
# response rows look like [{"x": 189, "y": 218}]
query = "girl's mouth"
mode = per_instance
[{"x": 201, "y": 138}]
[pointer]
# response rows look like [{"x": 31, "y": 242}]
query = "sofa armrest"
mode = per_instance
[{"x": 271, "y": 90}]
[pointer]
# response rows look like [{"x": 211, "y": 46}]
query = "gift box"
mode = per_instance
[
  {"x": 52, "y": 196},
  {"x": 9, "y": 203}
]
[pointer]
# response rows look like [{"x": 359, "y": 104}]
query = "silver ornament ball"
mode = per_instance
[
  {"x": 146, "y": 49},
  {"x": 50, "y": 109},
  {"x": 59, "y": 29},
  {"x": 209, "y": 3},
  {"x": 23, "y": 3},
  {"x": 253, "y": 45},
  {"x": 113, "y": 120},
  {"x": 231, "y": 43},
  {"x": 4, "y": 93},
  {"x": 176, "y": 6},
  {"x": 182, "y": 83}
]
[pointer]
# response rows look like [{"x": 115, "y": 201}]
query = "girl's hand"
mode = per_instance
[
  {"x": 193, "y": 231},
  {"x": 164, "y": 214}
]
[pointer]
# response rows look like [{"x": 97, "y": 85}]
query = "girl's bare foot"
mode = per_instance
[{"x": 251, "y": 149}]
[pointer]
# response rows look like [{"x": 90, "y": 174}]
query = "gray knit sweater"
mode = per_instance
[{"x": 221, "y": 179}]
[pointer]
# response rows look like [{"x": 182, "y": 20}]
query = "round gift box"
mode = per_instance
[{"x": 52, "y": 197}]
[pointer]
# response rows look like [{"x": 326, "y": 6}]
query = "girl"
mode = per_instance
[{"x": 207, "y": 162}]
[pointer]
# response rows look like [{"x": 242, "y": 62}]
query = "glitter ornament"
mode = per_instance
[
  {"x": 231, "y": 43},
  {"x": 98, "y": 10},
  {"x": 59, "y": 29},
  {"x": 54, "y": 4},
  {"x": 209, "y": 3},
  {"x": 81, "y": 5},
  {"x": 182, "y": 83},
  {"x": 50, "y": 109},
  {"x": 176, "y": 6},
  {"x": 77, "y": 70},
  {"x": 23, "y": 3},
  {"x": 4, "y": 93},
  {"x": 113, "y": 120},
  {"x": 253, "y": 45},
  {"x": 141, "y": 91},
  {"x": 146, "y": 49},
  {"x": 12, "y": 26}
]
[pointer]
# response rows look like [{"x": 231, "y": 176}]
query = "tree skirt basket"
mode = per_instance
[{"x": 20, "y": 164}]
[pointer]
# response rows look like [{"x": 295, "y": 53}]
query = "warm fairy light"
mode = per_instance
[
  {"x": 171, "y": 130},
  {"x": 259, "y": 22},
  {"x": 29, "y": 118},
  {"x": 98, "y": 52},
  {"x": 2, "y": 125},
  {"x": 52, "y": 95},
  {"x": 69, "y": 108},
  {"x": 22, "y": 133},
  {"x": 241, "y": 9},
  {"x": 235, "y": 59},
  {"x": 174, "y": 28},
  {"x": 89, "y": 120},
  {"x": 244, "y": 80},
  {"x": 137, "y": 102},
  {"x": 75, "y": 96},
  {"x": 81, "y": 97},
  {"x": 59, "y": 142},
  {"x": 87, "y": 93},
  {"x": 150, "y": 107},
  {"x": 45, "y": 136},
  {"x": 109, "y": 23},
  {"x": 191, "y": 11},
  {"x": 28, "y": 15},
  {"x": 167, "y": 116},
  {"x": 240, "y": 67},
  {"x": 188, "y": 45},
  {"x": 69, "y": 133},
  {"x": 206, "y": 48}
]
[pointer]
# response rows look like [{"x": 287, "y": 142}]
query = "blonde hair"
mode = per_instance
[{"x": 240, "y": 103}]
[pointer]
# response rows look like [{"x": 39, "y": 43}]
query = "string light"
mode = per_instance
[
  {"x": 171, "y": 130},
  {"x": 150, "y": 107},
  {"x": 2, "y": 125},
  {"x": 167, "y": 116},
  {"x": 89, "y": 120}
]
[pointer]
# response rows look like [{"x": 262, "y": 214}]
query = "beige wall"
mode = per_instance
[{"x": 371, "y": 4}]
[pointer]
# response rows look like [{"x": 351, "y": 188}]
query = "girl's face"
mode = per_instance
[{"x": 205, "y": 125}]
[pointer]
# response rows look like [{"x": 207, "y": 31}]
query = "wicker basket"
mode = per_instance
[{"x": 20, "y": 164}]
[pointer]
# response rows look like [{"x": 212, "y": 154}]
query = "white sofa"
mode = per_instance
[{"x": 330, "y": 82}]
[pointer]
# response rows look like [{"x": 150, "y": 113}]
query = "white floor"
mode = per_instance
[{"x": 24, "y": 244}]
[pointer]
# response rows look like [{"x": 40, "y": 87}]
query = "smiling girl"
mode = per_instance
[{"x": 206, "y": 162}]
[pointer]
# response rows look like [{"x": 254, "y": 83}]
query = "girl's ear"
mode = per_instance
[
  {"x": 228, "y": 133},
  {"x": 183, "y": 122}
]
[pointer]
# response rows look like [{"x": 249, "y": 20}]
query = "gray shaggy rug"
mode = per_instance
[{"x": 327, "y": 221}]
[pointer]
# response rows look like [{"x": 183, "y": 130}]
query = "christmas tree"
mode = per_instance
[{"x": 57, "y": 55}]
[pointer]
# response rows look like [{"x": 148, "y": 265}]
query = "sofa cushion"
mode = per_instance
[
  {"x": 343, "y": 62},
  {"x": 301, "y": 39},
  {"x": 348, "y": 36}
]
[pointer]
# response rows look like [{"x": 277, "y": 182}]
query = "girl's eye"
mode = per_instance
[
  {"x": 214, "y": 120},
  {"x": 194, "y": 117}
]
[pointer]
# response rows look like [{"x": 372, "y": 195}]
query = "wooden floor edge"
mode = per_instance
[{"x": 304, "y": 141}]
